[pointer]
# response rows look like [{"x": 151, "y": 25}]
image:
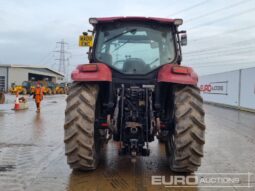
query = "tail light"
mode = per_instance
[
  {"x": 180, "y": 70},
  {"x": 104, "y": 125},
  {"x": 88, "y": 68}
]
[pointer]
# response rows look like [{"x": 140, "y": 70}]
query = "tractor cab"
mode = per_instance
[{"x": 134, "y": 45}]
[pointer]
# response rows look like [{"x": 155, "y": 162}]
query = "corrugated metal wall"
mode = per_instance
[
  {"x": 3, "y": 78},
  {"x": 235, "y": 88}
]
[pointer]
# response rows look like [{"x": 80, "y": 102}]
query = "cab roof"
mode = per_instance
[{"x": 95, "y": 21}]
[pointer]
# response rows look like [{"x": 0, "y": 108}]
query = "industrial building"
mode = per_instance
[{"x": 16, "y": 74}]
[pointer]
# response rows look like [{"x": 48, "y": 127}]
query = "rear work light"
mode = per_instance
[
  {"x": 180, "y": 70},
  {"x": 88, "y": 68},
  {"x": 93, "y": 21},
  {"x": 178, "y": 22}
]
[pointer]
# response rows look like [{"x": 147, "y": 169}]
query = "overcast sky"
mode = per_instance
[{"x": 221, "y": 33}]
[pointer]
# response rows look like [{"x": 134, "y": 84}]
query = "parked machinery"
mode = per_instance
[
  {"x": 61, "y": 88},
  {"x": 24, "y": 88},
  {"x": 51, "y": 87}
]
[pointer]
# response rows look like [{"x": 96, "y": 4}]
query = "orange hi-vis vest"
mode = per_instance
[{"x": 38, "y": 95}]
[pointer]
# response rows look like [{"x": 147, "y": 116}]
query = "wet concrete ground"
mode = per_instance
[{"x": 32, "y": 153}]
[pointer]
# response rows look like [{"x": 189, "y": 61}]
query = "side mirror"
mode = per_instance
[{"x": 184, "y": 40}]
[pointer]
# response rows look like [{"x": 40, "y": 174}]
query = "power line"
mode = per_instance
[
  {"x": 206, "y": 59},
  {"x": 252, "y": 63},
  {"x": 224, "y": 52},
  {"x": 218, "y": 10},
  {"x": 224, "y": 18},
  {"x": 217, "y": 48},
  {"x": 198, "y": 62},
  {"x": 75, "y": 55},
  {"x": 218, "y": 59},
  {"x": 46, "y": 57},
  {"x": 225, "y": 32},
  {"x": 47, "y": 60},
  {"x": 189, "y": 8}
]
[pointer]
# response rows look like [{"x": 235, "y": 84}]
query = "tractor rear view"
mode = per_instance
[{"x": 133, "y": 90}]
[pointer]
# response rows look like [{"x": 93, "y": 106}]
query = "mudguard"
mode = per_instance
[
  {"x": 167, "y": 74},
  {"x": 102, "y": 73}
]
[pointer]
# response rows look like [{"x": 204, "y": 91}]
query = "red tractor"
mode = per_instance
[{"x": 134, "y": 90}]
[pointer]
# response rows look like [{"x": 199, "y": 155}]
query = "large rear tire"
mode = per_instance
[
  {"x": 81, "y": 142},
  {"x": 185, "y": 145}
]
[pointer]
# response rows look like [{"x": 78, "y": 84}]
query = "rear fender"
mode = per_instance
[
  {"x": 166, "y": 74},
  {"x": 103, "y": 73}
]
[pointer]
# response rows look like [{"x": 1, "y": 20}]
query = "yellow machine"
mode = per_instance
[
  {"x": 32, "y": 87},
  {"x": 61, "y": 88},
  {"x": 52, "y": 87},
  {"x": 17, "y": 89},
  {"x": 27, "y": 87}
]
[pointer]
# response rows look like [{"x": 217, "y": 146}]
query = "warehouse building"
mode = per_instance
[{"x": 16, "y": 74}]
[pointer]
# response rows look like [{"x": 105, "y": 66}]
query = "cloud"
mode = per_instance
[{"x": 30, "y": 29}]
